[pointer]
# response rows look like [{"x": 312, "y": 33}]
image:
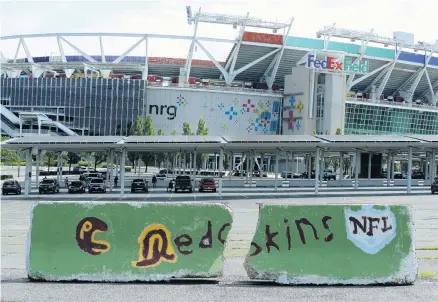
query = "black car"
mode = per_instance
[
  {"x": 183, "y": 183},
  {"x": 139, "y": 185},
  {"x": 434, "y": 186},
  {"x": 76, "y": 186},
  {"x": 418, "y": 175},
  {"x": 11, "y": 186},
  {"x": 96, "y": 185},
  {"x": 48, "y": 186}
]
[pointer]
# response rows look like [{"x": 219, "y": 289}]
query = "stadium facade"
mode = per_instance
[{"x": 269, "y": 84}]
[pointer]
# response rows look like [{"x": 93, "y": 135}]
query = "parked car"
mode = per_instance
[
  {"x": 139, "y": 185},
  {"x": 48, "y": 186},
  {"x": 418, "y": 175},
  {"x": 86, "y": 177},
  {"x": 434, "y": 186},
  {"x": 328, "y": 174},
  {"x": 207, "y": 184},
  {"x": 96, "y": 185},
  {"x": 182, "y": 183},
  {"x": 11, "y": 186},
  {"x": 305, "y": 174},
  {"x": 76, "y": 186}
]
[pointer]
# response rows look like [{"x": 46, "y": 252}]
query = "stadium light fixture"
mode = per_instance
[
  {"x": 235, "y": 20},
  {"x": 354, "y": 35}
]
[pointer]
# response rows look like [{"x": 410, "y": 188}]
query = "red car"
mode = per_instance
[{"x": 207, "y": 184}]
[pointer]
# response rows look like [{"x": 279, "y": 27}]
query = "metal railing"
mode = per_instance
[
  {"x": 219, "y": 88},
  {"x": 394, "y": 104}
]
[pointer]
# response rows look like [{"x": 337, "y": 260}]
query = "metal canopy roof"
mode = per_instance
[{"x": 259, "y": 143}]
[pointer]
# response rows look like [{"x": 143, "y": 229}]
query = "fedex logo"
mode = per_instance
[{"x": 336, "y": 65}]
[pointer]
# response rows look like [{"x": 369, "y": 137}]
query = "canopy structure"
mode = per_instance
[
  {"x": 257, "y": 143},
  {"x": 249, "y": 145}
]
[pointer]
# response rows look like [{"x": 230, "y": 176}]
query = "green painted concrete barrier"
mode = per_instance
[
  {"x": 120, "y": 242},
  {"x": 333, "y": 244}
]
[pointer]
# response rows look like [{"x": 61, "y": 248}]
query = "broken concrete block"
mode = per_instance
[
  {"x": 333, "y": 244},
  {"x": 110, "y": 241}
]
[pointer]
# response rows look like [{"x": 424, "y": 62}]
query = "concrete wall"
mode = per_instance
[
  {"x": 296, "y": 102},
  {"x": 225, "y": 113},
  {"x": 334, "y": 103}
]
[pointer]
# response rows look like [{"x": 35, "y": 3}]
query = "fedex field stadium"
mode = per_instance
[{"x": 342, "y": 81}]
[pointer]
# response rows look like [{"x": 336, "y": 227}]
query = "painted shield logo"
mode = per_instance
[{"x": 370, "y": 229}]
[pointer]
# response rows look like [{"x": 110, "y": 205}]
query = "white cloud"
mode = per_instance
[{"x": 386, "y": 16}]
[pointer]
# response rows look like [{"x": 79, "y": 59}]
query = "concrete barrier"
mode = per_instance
[
  {"x": 333, "y": 244},
  {"x": 121, "y": 242}
]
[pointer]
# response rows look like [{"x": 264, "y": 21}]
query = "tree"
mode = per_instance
[
  {"x": 48, "y": 159},
  {"x": 173, "y": 132},
  {"x": 339, "y": 131},
  {"x": 8, "y": 156},
  {"x": 187, "y": 130},
  {"x": 99, "y": 157},
  {"x": 314, "y": 132},
  {"x": 148, "y": 126},
  {"x": 202, "y": 130},
  {"x": 72, "y": 158},
  {"x": 160, "y": 132}
]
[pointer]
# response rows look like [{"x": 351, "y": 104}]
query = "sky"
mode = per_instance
[{"x": 169, "y": 17}]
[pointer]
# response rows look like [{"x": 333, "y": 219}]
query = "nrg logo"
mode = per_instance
[{"x": 170, "y": 111}]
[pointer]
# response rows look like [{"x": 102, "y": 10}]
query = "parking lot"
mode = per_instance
[{"x": 234, "y": 285}]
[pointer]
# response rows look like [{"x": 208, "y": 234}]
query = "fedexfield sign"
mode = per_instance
[{"x": 336, "y": 64}]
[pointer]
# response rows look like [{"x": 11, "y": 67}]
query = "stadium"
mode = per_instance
[{"x": 341, "y": 82}]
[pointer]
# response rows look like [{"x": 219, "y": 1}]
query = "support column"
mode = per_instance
[
  {"x": 194, "y": 169},
  {"x": 356, "y": 169},
  {"x": 409, "y": 173},
  {"x": 276, "y": 170},
  {"x": 59, "y": 172},
  {"x": 231, "y": 165},
  {"x": 122, "y": 173},
  {"x": 110, "y": 171},
  {"x": 309, "y": 167},
  {"x": 369, "y": 165},
  {"x": 341, "y": 166},
  {"x": 317, "y": 160},
  {"x": 388, "y": 168},
  {"x": 287, "y": 163},
  {"x": 247, "y": 170},
  {"x": 37, "y": 169},
  {"x": 251, "y": 167},
  {"x": 262, "y": 159},
  {"x": 433, "y": 165},
  {"x": 28, "y": 172},
  {"x": 221, "y": 168},
  {"x": 392, "y": 165}
]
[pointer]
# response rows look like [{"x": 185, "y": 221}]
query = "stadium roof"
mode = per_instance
[
  {"x": 406, "y": 74},
  {"x": 255, "y": 143}
]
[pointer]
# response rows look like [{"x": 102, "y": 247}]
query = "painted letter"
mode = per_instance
[
  {"x": 326, "y": 226},
  {"x": 179, "y": 243},
  {"x": 356, "y": 223},
  {"x": 258, "y": 249},
  {"x": 222, "y": 229},
  {"x": 206, "y": 241},
  {"x": 300, "y": 229},
  {"x": 155, "y": 247},
  {"x": 371, "y": 226},
  {"x": 269, "y": 239},
  {"x": 385, "y": 227},
  {"x": 171, "y": 112},
  {"x": 85, "y": 231}
]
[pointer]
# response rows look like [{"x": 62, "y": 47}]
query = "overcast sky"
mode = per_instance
[{"x": 169, "y": 17}]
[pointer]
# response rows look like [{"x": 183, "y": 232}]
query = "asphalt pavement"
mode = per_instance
[{"x": 234, "y": 285}]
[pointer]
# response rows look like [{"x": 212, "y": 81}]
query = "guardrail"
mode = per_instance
[
  {"x": 220, "y": 88},
  {"x": 395, "y": 104}
]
